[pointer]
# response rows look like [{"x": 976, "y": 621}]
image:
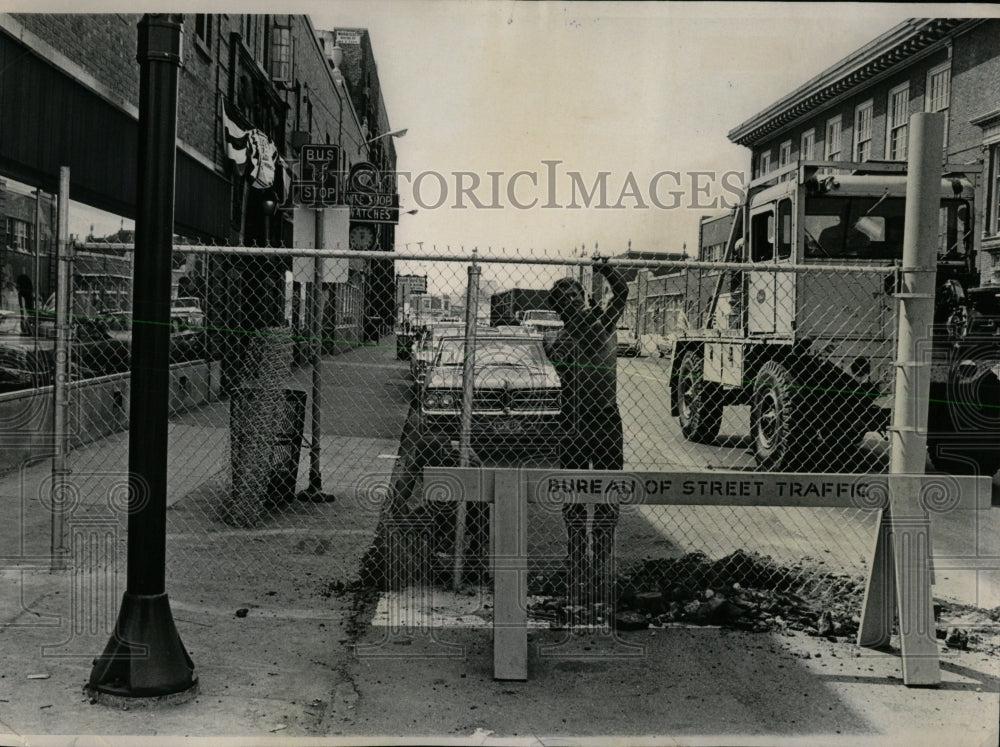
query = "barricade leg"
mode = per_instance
[{"x": 510, "y": 576}]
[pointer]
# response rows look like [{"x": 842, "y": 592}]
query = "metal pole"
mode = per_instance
[
  {"x": 60, "y": 409},
  {"x": 36, "y": 300},
  {"x": 465, "y": 427},
  {"x": 908, "y": 438},
  {"x": 145, "y": 656},
  {"x": 314, "y": 491},
  {"x": 899, "y": 573}
]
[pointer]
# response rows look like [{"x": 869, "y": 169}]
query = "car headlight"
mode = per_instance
[
  {"x": 447, "y": 400},
  {"x": 431, "y": 401}
]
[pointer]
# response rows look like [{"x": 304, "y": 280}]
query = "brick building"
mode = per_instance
[
  {"x": 858, "y": 110},
  {"x": 69, "y": 97}
]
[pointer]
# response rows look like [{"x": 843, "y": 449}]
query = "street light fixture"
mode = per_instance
[{"x": 394, "y": 133}]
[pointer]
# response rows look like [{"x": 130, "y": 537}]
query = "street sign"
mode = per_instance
[
  {"x": 320, "y": 183},
  {"x": 371, "y": 195},
  {"x": 374, "y": 214}
]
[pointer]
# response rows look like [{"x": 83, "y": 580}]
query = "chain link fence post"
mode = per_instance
[
  {"x": 60, "y": 389},
  {"x": 468, "y": 386}
]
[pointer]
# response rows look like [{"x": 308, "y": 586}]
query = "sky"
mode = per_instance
[
  {"x": 624, "y": 88},
  {"x": 631, "y": 93}
]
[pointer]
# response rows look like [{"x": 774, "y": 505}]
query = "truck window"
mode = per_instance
[
  {"x": 762, "y": 237},
  {"x": 846, "y": 228},
  {"x": 784, "y": 229},
  {"x": 954, "y": 229}
]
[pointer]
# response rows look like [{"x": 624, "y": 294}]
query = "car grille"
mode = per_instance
[
  {"x": 497, "y": 400},
  {"x": 535, "y": 399},
  {"x": 489, "y": 399}
]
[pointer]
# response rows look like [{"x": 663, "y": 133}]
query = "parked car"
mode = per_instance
[
  {"x": 516, "y": 392},
  {"x": 187, "y": 332},
  {"x": 628, "y": 343},
  {"x": 21, "y": 365},
  {"x": 424, "y": 345},
  {"x": 27, "y": 363}
]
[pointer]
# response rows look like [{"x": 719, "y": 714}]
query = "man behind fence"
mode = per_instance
[{"x": 585, "y": 356}]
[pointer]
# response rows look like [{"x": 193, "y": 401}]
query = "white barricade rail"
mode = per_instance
[{"x": 900, "y": 563}]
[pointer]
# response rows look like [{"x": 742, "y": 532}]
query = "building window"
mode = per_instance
[
  {"x": 764, "y": 163},
  {"x": 281, "y": 54},
  {"x": 937, "y": 97},
  {"x": 784, "y": 156},
  {"x": 807, "y": 145},
  {"x": 897, "y": 122},
  {"x": 20, "y": 234},
  {"x": 203, "y": 29},
  {"x": 832, "y": 142},
  {"x": 993, "y": 207},
  {"x": 863, "y": 131}
]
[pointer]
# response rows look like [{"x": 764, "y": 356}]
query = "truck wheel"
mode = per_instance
[
  {"x": 775, "y": 419},
  {"x": 699, "y": 402}
]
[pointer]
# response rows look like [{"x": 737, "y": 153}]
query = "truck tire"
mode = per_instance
[
  {"x": 776, "y": 419},
  {"x": 699, "y": 402}
]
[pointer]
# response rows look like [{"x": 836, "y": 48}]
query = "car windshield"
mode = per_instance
[{"x": 493, "y": 352}]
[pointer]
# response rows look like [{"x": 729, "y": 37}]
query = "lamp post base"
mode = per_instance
[{"x": 145, "y": 657}]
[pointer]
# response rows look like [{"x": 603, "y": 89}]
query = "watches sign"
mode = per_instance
[{"x": 371, "y": 195}]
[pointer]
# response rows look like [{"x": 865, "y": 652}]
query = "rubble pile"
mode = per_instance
[{"x": 741, "y": 590}]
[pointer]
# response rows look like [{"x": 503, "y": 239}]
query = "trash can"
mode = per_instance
[{"x": 265, "y": 445}]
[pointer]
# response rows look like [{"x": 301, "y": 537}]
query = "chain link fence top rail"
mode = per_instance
[{"x": 711, "y": 366}]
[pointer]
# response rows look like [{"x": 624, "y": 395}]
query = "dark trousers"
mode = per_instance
[{"x": 592, "y": 442}]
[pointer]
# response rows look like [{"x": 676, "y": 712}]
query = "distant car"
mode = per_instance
[
  {"x": 516, "y": 392},
  {"x": 187, "y": 333},
  {"x": 424, "y": 345},
  {"x": 665, "y": 344},
  {"x": 543, "y": 321},
  {"x": 628, "y": 343}
]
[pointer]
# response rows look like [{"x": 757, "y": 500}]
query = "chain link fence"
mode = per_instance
[{"x": 303, "y": 415}]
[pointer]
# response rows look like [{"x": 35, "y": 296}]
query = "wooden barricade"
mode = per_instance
[{"x": 899, "y": 569}]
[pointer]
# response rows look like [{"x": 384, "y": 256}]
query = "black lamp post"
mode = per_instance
[{"x": 145, "y": 657}]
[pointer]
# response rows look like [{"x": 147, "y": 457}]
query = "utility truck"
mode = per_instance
[{"x": 812, "y": 351}]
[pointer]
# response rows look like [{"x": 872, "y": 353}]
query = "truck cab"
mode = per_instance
[{"x": 812, "y": 352}]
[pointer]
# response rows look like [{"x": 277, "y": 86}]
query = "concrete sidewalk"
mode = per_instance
[
  {"x": 265, "y": 612},
  {"x": 287, "y": 650}
]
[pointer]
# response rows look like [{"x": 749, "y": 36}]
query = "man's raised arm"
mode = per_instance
[{"x": 619, "y": 290}]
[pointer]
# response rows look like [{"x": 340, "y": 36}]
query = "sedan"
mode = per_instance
[
  {"x": 515, "y": 398},
  {"x": 423, "y": 349}
]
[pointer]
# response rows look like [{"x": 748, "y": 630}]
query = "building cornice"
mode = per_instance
[{"x": 902, "y": 44}]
